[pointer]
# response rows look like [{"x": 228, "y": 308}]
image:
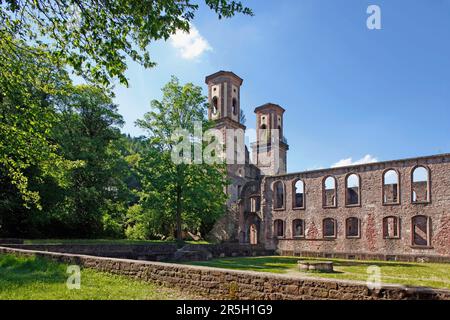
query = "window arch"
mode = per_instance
[
  {"x": 391, "y": 227},
  {"x": 352, "y": 190},
  {"x": 420, "y": 185},
  {"x": 264, "y": 133},
  {"x": 353, "y": 228},
  {"x": 298, "y": 228},
  {"x": 278, "y": 200},
  {"x": 214, "y": 106},
  {"x": 278, "y": 228},
  {"x": 420, "y": 233},
  {"x": 255, "y": 203},
  {"x": 329, "y": 228},
  {"x": 298, "y": 195},
  {"x": 329, "y": 192},
  {"x": 391, "y": 187},
  {"x": 234, "y": 106}
]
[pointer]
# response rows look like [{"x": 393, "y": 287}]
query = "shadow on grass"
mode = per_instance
[{"x": 18, "y": 271}]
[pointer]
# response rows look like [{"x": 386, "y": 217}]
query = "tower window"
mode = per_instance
[
  {"x": 420, "y": 185},
  {"x": 214, "y": 105},
  {"x": 391, "y": 187},
  {"x": 329, "y": 192},
  {"x": 353, "y": 190},
  {"x": 234, "y": 106}
]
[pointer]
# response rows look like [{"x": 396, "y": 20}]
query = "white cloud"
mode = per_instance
[
  {"x": 190, "y": 45},
  {"x": 349, "y": 161}
]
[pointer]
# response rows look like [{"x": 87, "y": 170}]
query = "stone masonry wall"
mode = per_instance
[
  {"x": 370, "y": 212},
  {"x": 151, "y": 252},
  {"x": 229, "y": 284}
]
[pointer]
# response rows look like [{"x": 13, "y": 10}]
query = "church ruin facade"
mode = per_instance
[{"x": 392, "y": 210}]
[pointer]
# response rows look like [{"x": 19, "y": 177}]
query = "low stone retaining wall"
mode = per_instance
[
  {"x": 152, "y": 251},
  {"x": 10, "y": 241},
  {"x": 230, "y": 284}
]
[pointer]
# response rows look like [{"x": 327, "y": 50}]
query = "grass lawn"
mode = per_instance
[
  {"x": 434, "y": 275},
  {"x": 24, "y": 278},
  {"x": 104, "y": 241}
]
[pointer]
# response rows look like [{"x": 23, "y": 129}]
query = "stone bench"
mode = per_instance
[{"x": 323, "y": 266}]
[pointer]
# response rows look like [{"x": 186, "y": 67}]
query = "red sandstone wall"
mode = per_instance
[{"x": 370, "y": 212}]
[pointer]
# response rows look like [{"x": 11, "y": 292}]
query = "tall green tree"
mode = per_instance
[
  {"x": 96, "y": 37},
  {"x": 88, "y": 130},
  {"x": 29, "y": 81},
  {"x": 183, "y": 196}
]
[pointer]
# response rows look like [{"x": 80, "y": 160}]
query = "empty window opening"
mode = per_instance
[
  {"x": 264, "y": 134},
  {"x": 353, "y": 189},
  {"x": 299, "y": 197},
  {"x": 214, "y": 105},
  {"x": 255, "y": 204},
  {"x": 391, "y": 228},
  {"x": 421, "y": 231},
  {"x": 234, "y": 106},
  {"x": 329, "y": 192},
  {"x": 279, "y": 228},
  {"x": 352, "y": 227},
  {"x": 329, "y": 228},
  {"x": 420, "y": 185},
  {"x": 279, "y": 195},
  {"x": 298, "y": 228},
  {"x": 391, "y": 189}
]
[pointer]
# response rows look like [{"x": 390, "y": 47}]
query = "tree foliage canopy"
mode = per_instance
[
  {"x": 96, "y": 37},
  {"x": 177, "y": 196}
]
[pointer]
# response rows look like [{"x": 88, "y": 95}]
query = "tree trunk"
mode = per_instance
[{"x": 179, "y": 204}]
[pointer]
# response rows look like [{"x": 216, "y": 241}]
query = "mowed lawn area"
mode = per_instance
[
  {"x": 34, "y": 278},
  {"x": 435, "y": 275}
]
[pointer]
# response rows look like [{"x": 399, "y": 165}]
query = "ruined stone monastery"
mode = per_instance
[{"x": 389, "y": 210}]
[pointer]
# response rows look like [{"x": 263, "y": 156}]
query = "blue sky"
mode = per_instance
[{"x": 349, "y": 92}]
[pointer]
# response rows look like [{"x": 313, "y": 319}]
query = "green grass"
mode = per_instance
[
  {"x": 34, "y": 278},
  {"x": 435, "y": 275},
  {"x": 103, "y": 241}
]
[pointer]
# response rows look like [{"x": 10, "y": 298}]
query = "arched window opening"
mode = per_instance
[
  {"x": 279, "y": 228},
  {"x": 255, "y": 204},
  {"x": 352, "y": 190},
  {"x": 420, "y": 185},
  {"x": 329, "y": 192},
  {"x": 214, "y": 105},
  {"x": 279, "y": 195},
  {"x": 391, "y": 187},
  {"x": 329, "y": 228},
  {"x": 234, "y": 106},
  {"x": 421, "y": 231},
  {"x": 264, "y": 134},
  {"x": 298, "y": 228},
  {"x": 352, "y": 228},
  {"x": 391, "y": 228},
  {"x": 299, "y": 195}
]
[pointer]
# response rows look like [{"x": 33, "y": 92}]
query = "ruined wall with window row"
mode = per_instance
[{"x": 391, "y": 208}]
